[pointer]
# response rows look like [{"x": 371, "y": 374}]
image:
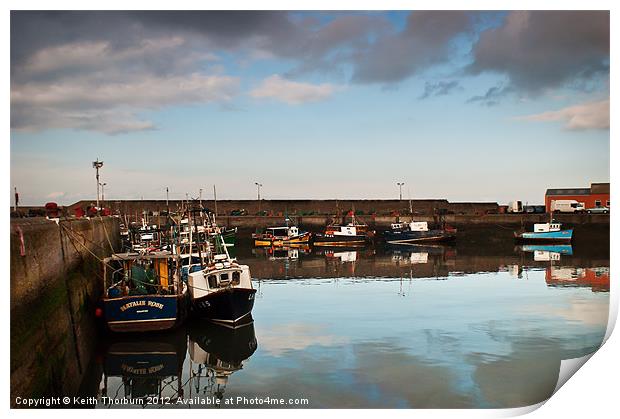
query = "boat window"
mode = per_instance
[
  {"x": 224, "y": 277},
  {"x": 236, "y": 278},
  {"x": 212, "y": 281}
]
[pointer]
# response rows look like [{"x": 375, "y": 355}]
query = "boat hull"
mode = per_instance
[
  {"x": 228, "y": 306},
  {"x": 299, "y": 240},
  {"x": 563, "y": 236},
  {"x": 144, "y": 313},
  {"x": 402, "y": 237},
  {"x": 339, "y": 241}
]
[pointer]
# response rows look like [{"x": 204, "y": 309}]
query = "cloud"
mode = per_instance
[
  {"x": 291, "y": 92},
  {"x": 591, "y": 115},
  {"x": 539, "y": 50},
  {"x": 54, "y": 195},
  {"x": 95, "y": 86},
  {"x": 440, "y": 88},
  {"x": 424, "y": 42},
  {"x": 492, "y": 96}
]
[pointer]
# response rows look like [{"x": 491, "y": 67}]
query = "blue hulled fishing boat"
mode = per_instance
[
  {"x": 143, "y": 292},
  {"x": 545, "y": 233}
]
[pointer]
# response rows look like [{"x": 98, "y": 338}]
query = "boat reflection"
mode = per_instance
[
  {"x": 565, "y": 276},
  {"x": 216, "y": 352},
  {"x": 546, "y": 253},
  {"x": 146, "y": 369}
]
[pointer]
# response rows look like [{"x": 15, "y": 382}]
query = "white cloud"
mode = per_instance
[
  {"x": 95, "y": 86},
  {"x": 291, "y": 92},
  {"x": 591, "y": 115}
]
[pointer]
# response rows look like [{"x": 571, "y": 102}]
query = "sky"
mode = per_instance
[{"x": 458, "y": 105}]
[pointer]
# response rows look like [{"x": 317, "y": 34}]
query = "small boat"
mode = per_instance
[
  {"x": 143, "y": 292},
  {"x": 281, "y": 236},
  {"x": 222, "y": 291},
  {"x": 545, "y": 232},
  {"x": 353, "y": 234},
  {"x": 417, "y": 232}
]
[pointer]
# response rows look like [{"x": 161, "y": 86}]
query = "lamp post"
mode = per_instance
[
  {"x": 400, "y": 190},
  {"x": 102, "y": 192},
  {"x": 167, "y": 205},
  {"x": 258, "y": 186},
  {"x": 97, "y": 165}
]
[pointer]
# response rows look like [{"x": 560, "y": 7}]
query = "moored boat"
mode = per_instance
[
  {"x": 545, "y": 233},
  {"x": 418, "y": 232},
  {"x": 281, "y": 236},
  {"x": 222, "y": 291},
  {"x": 353, "y": 234},
  {"x": 143, "y": 292}
]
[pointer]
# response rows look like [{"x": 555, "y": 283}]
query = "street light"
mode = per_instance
[
  {"x": 258, "y": 186},
  {"x": 400, "y": 189},
  {"x": 102, "y": 191},
  {"x": 97, "y": 165}
]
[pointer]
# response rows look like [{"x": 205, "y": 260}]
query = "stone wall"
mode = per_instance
[{"x": 55, "y": 284}]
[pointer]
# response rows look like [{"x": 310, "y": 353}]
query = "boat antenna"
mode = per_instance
[{"x": 202, "y": 262}]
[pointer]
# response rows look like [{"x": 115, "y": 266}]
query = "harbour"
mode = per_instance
[
  {"x": 394, "y": 272},
  {"x": 310, "y": 209}
]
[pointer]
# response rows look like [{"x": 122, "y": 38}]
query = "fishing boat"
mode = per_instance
[
  {"x": 227, "y": 235},
  {"x": 222, "y": 291},
  {"x": 545, "y": 233},
  {"x": 417, "y": 232},
  {"x": 281, "y": 236},
  {"x": 352, "y": 234},
  {"x": 218, "y": 352},
  {"x": 143, "y": 292},
  {"x": 145, "y": 237}
]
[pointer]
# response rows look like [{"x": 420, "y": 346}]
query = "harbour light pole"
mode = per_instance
[
  {"x": 102, "y": 192},
  {"x": 200, "y": 196},
  {"x": 258, "y": 186},
  {"x": 167, "y": 206},
  {"x": 400, "y": 190},
  {"x": 97, "y": 165}
]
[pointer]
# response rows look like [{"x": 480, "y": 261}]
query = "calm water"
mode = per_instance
[{"x": 417, "y": 327}]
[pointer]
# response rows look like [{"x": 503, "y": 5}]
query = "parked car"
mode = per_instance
[{"x": 598, "y": 210}]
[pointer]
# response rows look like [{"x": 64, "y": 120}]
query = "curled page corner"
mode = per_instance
[{"x": 568, "y": 367}]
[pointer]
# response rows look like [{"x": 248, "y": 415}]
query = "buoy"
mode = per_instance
[{"x": 98, "y": 312}]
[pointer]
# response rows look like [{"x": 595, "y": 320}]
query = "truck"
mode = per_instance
[
  {"x": 515, "y": 207},
  {"x": 567, "y": 205}
]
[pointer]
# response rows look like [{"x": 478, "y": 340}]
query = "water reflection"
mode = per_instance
[
  {"x": 144, "y": 368},
  {"x": 413, "y": 326},
  {"x": 218, "y": 352}
]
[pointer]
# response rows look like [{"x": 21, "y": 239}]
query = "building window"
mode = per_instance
[
  {"x": 597, "y": 203},
  {"x": 607, "y": 204}
]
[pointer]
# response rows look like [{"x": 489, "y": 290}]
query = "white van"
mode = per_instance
[
  {"x": 515, "y": 206},
  {"x": 567, "y": 205}
]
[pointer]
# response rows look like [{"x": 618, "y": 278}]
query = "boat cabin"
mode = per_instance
[
  {"x": 547, "y": 227},
  {"x": 418, "y": 226},
  {"x": 224, "y": 273},
  {"x": 128, "y": 274}
]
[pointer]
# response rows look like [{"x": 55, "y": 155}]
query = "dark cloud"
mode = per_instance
[
  {"x": 493, "y": 95},
  {"x": 440, "y": 88},
  {"x": 545, "y": 49},
  {"x": 425, "y": 41}
]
